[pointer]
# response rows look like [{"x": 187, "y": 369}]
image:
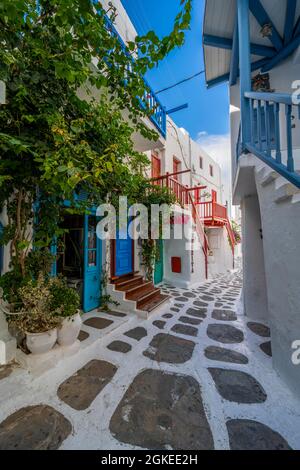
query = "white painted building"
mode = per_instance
[
  {"x": 196, "y": 169},
  {"x": 254, "y": 45}
]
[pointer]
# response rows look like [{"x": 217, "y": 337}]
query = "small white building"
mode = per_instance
[{"x": 183, "y": 160}]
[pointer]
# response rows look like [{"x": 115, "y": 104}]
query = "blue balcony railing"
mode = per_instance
[
  {"x": 149, "y": 100},
  {"x": 273, "y": 117}
]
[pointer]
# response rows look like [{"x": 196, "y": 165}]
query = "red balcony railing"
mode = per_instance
[
  {"x": 184, "y": 196},
  {"x": 213, "y": 213}
]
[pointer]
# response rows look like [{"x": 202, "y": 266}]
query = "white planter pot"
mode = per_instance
[
  {"x": 40, "y": 343},
  {"x": 68, "y": 333}
]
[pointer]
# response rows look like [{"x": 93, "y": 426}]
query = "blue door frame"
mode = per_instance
[
  {"x": 92, "y": 265},
  {"x": 92, "y": 259}
]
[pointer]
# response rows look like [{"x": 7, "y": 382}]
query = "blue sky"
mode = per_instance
[{"x": 208, "y": 109}]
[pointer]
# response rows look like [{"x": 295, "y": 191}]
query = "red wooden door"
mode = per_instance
[
  {"x": 176, "y": 167},
  {"x": 156, "y": 166}
]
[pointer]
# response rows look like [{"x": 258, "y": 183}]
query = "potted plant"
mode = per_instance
[
  {"x": 35, "y": 318},
  {"x": 64, "y": 304}
]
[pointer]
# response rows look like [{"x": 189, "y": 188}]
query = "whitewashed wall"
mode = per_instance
[
  {"x": 222, "y": 257},
  {"x": 180, "y": 145}
]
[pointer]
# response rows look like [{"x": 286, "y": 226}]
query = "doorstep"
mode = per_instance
[{"x": 37, "y": 364}]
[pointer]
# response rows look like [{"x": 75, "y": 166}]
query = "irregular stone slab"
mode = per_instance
[
  {"x": 215, "y": 353},
  {"x": 159, "y": 324},
  {"x": 197, "y": 303},
  {"x": 181, "y": 299},
  {"x": 162, "y": 411},
  {"x": 218, "y": 304},
  {"x": 38, "y": 427},
  {"x": 224, "y": 315},
  {"x": 266, "y": 348},
  {"x": 98, "y": 323},
  {"x": 198, "y": 313},
  {"x": 226, "y": 334},
  {"x": 190, "y": 321},
  {"x": 119, "y": 346},
  {"x": 137, "y": 333},
  {"x": 179, "y": 305},
  {"x": 185, "y": 330},
  {"x": 246, "y": 434},
  {"x": 167, "y": 315},
  {"x": 176, "y": 310},
  {"x": 170, "y": 349},
  {"x": 5, "y": 371},
  {"x": 116, "y": 314},
  {"x": 259, "y": 329},
  {"x": 238, "y": 386},
  {"x": 83, "y": 335},
  {"x": 189, "y": 294},
  {"x": 207, "y": 298},
  {"x": 81, "y": 389}
]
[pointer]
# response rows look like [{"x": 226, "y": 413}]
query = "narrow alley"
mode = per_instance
[{"x": 200, "y": 377}]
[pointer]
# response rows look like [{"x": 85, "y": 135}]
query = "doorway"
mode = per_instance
[{"x": 78, "y": 255}]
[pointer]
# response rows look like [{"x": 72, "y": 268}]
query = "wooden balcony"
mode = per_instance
[{"x": 213, "y": 214}]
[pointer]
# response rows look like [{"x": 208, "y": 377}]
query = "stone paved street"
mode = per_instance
[{"x": 195, "y": 376}]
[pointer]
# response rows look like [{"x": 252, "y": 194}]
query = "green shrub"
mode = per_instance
[{"x": 64, "y": 301}]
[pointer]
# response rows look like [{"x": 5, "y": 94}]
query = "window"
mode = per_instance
[
  {"x": 211, "y": 170},
  {"x": 201, "y": 163},
  {"x": 176, "y": 166}
]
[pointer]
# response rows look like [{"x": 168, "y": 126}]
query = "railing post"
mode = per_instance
[
  {"x": 290, "y": 159},
  {"x": 245, "y": 68}
]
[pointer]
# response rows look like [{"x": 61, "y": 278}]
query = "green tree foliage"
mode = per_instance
[{"x": 69, "y": 80}]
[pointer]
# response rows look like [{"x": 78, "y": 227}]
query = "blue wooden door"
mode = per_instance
[
  {"x": 92, "y": 265},
  {"x": 124, "y": 255}
]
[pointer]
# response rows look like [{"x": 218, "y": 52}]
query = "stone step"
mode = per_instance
[
  {"x": 155, "y": 301},
  {"x": 124, "y": 285},
  {"x": 138, "y": 291}
]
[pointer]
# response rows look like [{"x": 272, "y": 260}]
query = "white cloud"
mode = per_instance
[
  {"x": 202, "y": 134},
  {"x": 219, "y": 148}
]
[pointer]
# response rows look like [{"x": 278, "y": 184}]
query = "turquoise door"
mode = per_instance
[
  {"x": 92, "y": 265},
  {"x": 124, "y": 255},
  {"x": 159, "y": 265}
]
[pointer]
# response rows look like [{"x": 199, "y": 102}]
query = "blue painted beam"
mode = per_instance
[
  {"x": 289, "y": 20},
  {"x": 263, "y": 18},
  {"x": 226, "y": 43},
  {"x": 297, "y": 28},
  {"x": 245, "y": 68},
  {"x": 226, "y": 77},
  {"x": 178, "y": 108},
  {"x": 283, "y": 54},
  {"x": 234, "y": 64}
]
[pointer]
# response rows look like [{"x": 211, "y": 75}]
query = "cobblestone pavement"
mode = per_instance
[{"x": 195, "y": 376}]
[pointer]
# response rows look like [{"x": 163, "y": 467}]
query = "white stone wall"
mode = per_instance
[
  {"x": 123, "y": 23},
  {"x": 180, "y": 145},
  {"x": 221, "y": 259}
]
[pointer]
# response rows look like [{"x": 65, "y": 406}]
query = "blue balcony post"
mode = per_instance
[{"x": 245, "y": 69}]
